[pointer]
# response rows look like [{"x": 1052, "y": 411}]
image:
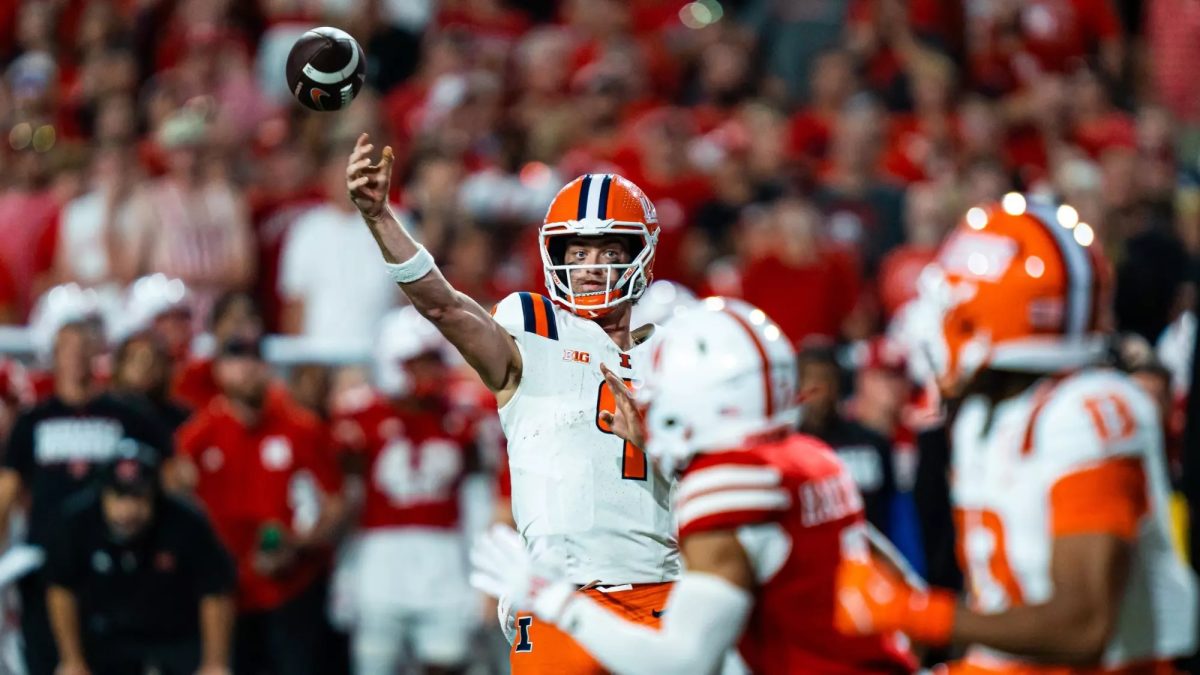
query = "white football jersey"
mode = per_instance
[
  {"x": 582, "y": 498},
  {"x": 1076, "y": 455}
]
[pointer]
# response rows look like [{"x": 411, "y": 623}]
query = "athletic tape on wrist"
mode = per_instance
[{"x": 412, "y": 269}]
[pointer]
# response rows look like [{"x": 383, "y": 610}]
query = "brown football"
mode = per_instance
[{"x": 326, "y": 69}]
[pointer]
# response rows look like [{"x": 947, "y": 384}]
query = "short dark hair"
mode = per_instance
[
  {"x": 225, "y": 303},
  {"x": 819, "y": 353},
  {"x": 133, "y": 469},
  {"x": 122, "y": 353}
]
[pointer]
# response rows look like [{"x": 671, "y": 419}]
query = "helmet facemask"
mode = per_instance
[{"x": 623, "y": 282}]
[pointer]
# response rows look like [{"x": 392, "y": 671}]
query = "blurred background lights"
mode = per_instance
[
  {"x": 976, "y": 218},
  {"x": 1067, "y": 216},
  {"x": 43, "y": 138},
  {"x": 20, "y": 136},
  {"x": 1084, "y": 234},
  {"x": 1013, "y": 204},
  {"x": 697, "y": 15}
]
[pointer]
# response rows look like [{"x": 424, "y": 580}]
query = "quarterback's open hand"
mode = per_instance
[
  {"x": 369, "y": 183},
  {"x": 501, "y": 567},
  {"x": 626, "y": 421}
]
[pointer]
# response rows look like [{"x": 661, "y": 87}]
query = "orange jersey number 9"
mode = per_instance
[{"x": 633, "y": 462}]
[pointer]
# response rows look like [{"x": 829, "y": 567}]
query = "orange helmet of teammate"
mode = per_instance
[
  {"x": 596, "y": 205},
  {"x": 1018, "y": 286}
]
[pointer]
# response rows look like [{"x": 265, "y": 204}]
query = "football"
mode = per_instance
[{"x": 326, "y": 69}]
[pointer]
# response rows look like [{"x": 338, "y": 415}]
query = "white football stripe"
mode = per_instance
[
  {"x": 593, "y": 202},
  {"x": 726, "y": 477},
  {"x": 727, "y": 501},
  {"x": 332, "y": 78}
]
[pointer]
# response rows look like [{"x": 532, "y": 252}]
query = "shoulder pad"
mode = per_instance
[
  {"x": 727, "y": 495},
  {"x": 526, "y": 312},
  {"x": 1096, "y": 414}
]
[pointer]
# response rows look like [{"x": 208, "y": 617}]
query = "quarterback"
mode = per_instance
[
  {"x": 584, "y": 499},
  {"x": 765, "y": 516},
  {"x": 1058, "y": 476}
]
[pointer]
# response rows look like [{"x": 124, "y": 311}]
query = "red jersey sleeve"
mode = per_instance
[{"x": 722, "y": 492}]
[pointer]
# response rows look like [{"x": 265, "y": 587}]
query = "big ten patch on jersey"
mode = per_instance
[{"x": 579, "y": 492}]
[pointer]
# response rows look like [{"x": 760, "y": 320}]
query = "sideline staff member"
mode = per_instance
[
  {"x": 137, "y": 579},
  {"x": 52, "y": 453}
]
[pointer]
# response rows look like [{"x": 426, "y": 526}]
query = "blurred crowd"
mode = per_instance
[{"x": 806, "y": 155}]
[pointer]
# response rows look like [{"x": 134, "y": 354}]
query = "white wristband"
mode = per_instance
[{"x": 412, "y": 269}]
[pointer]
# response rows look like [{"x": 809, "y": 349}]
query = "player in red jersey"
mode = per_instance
[
  {"x": 765, "y": 515},
  {"x": 413, "y": 444}
]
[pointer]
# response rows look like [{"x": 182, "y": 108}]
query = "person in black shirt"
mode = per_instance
[
  {"x": 137, "y": 579},
  {"x": 866, "y": 454},
  {"x": 51, "y": 453}
]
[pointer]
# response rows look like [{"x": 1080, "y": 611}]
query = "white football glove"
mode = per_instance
[
  {"x": 507, "y": 617},
  {"x": 502, "y": 568}
]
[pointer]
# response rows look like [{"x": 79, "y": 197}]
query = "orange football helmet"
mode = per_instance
[
  {"x": 595, "y": 205},
  {"x": 1018, "y": 286}
]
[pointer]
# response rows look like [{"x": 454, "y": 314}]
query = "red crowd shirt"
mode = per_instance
[
  {"x": 1057, "y": 32},
  {"x": 804, "y": 300},
  {"x": 415, "y": 461},
  {"x": 253, "y": 477},
  {"x": 809, "y": 136},
  {"x": 194, "y": 384},
  {"x": 1052, "y": 36}
]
